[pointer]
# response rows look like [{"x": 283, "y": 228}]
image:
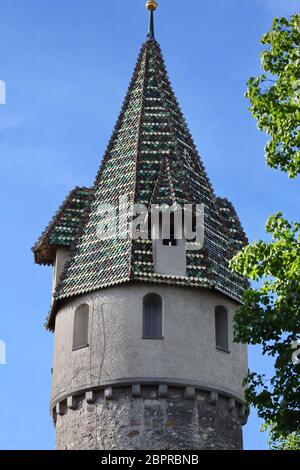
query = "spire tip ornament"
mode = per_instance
[{"x": 151, "y": 5}]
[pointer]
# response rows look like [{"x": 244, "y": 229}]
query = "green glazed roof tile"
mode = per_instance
[
  {"x": 151, "y": 158},
  {"x": 64, "y": 226}
]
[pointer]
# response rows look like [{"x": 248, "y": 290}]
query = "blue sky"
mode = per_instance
[{"x": 67, "y": 64}]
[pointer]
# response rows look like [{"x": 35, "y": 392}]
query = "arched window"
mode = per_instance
[
  {"x": 152, "y": 317},
  {"x": 81, "y": 327},
  {"x": 221, "y": 327}
]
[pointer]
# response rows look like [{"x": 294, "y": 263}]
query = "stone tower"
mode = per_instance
[{"x": 144, "y": 356}]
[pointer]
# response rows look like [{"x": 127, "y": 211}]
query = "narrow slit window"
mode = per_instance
[
  {"x": 81, "y": 327},
  {"x": 221, "y": 326},
  {"x": 152, "y": 317},
  {"x": 170, "y": 240}
]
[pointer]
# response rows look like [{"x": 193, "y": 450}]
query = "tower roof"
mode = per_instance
[
  {"x": 152, "y": 158},
  {"x": 64, "y": 226}
]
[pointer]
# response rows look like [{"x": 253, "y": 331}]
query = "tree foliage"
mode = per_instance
[
  {"x": 275, "y": 95},
  {"x": 290, "y": 442},
  {"x": 270, "y": 314}
]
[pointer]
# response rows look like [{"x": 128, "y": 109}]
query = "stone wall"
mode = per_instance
[
  {"x": 124, "y": 392},
  {"x": 149, "y": 418}
]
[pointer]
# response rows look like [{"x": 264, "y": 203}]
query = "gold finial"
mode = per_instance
[{"x": 151, "y": 5}]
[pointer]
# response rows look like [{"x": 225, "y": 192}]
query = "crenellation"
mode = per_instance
[
  {"x": 163, "y": 391},
  {"x": 71, "y": 403},
  {"x": 128, "y": 421},
  {"x": 136, "y": 390},
  {"x": 90, "y": 397},
  {"x": 213, "y": 398},
  {"x": 231, "y": 404},
  {"x": 108, "y": 393},
  {"x": 189, "y": 393},
  {"x": 149, "y": 393},
  {"x": 60, "y": 408}
]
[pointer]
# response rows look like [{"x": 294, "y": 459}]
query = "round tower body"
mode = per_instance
[
  {"x": 149, "y": 362},
  {"x": 118, "y": 384}
]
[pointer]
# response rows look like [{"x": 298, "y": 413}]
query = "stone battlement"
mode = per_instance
[{"x": 149, "y": 417}]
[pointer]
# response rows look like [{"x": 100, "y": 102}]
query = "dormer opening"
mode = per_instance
[{"x": 169, "y": 245}]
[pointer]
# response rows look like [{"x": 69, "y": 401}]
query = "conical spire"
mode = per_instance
[
  {"x": 151, "y": 157},
  {"x": 151, "y": 6}
]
